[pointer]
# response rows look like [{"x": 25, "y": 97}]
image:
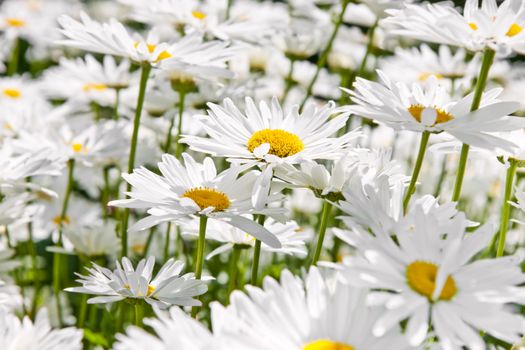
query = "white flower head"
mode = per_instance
[{"x": 167, "y": 288}]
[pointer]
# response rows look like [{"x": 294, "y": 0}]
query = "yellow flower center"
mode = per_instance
[
  {"x": 77, "y": 147},
  {"x": 94, "y": 86},
  {"x": 208, "y": 197},
  {"x": 324, "y": 344},
  {"x": 151, "y": 289},
  {"x": 151, "y": 47},
  {"x": 12, "y": 93},
  {"x": 58, "y": 220},
  {"x": 473, "y": 26},
  {"x": 514, "y": 29},
  {"x": 425, "y": 75},
  {"x": 15, "y": 22},
  {"x": 199, "y": 15},
  {"x": 282, "y": 143},
  {"x": 421, "y": 277},
  {"x": 417, "y": 110}
]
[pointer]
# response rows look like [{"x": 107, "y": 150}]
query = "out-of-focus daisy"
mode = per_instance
[
  {"x": 323, "y": 316},
  {"x": 113, "y": 39},
  {"x": 430, "y": 108},
  {"x": 92, "y": 241},
  {"x": 427, "y": 276},
  {"x": 37, "y": 335},
  {"x": 173, "y": 330},
  {"x": 86, "y": 79},
  {"x": 195, "y": 189},
  {"x": 167, "y": 288},
  {"x": 291, "y": 236},
  {"x": 301, "y": 40},
  {"x": 487, "y": 26}
]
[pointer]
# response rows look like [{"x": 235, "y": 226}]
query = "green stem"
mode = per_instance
[
  {"x": 139, "y": 314},
  {"x": 146, "y": 68},
  {"x": 200, "y": 254},
  {"x": 105, "y": 193},
  {"x": 505, "y": 208},
  {"x": 442, "y": 176},
  {"x": 148, "y": 242},
  {"x": 488, "y": 59},
  {"x": 289, "y": 82},
  {"x": 228, "y": 9},
  {"x": 324, "y": 56},
  {"x": 12, "y": 67},
  {"x": 178, "y": 145},
  {"x": 417, "y": 168},
  {"x": 82, "y": 311},
  {"x": 167, "y": 242},
  {"x": 325, "y": 214},
  {"x": 67, "y": 195},
  {"x": 257, "y": 254},
  {"x": 56, "y": 286},
  {"x": 34, "y": 263},
  {"x": 234, "y": 261}
]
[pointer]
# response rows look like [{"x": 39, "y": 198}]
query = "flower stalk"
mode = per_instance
[
  {"x": 417, "y": 169},
  {"x": 505, "y": 208},
  {"x": 325, "y": 214}
]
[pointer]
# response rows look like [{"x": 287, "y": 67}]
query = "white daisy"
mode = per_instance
[
  {"x": 92, "y": 241},
  {"x": 291, "y": 236},
  {"x": 195, "y": 189},
  {"x": 426, "y": 276},
  {"x": 167, "y": 288},
  {"x": 479, "y": 27},
  {"x": 319, "y": 313},
  {"x": 267, "y": 134},
  {"x": 430, "y": 108},
  {"x": 37, "y": 335}
]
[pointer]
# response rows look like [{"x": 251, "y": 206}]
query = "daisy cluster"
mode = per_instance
[{"x": 262, "y": 175}]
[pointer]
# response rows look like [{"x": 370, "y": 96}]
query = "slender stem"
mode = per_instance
[
  {"x": 67, "y": 195},
  {"x": 12, "y": 67},
  {"x": 234, "y": 268},
  {"x": 324, "y": 55},
  {"x": 146, "y": 68},
  {"x": 257, "y": 254},
  {"x": 417, "y": 168},
  {"x": 228, "y": 8},
  {"x": 82, "y": 312},
  {"x": 178, "y": 145},
  {"x": 117, "y": 103},
  {"x": 289, "y": 82},
  {"x": 442, "y": 176},
  {"x": 34, "y": 263},
  {"x": 105, "y": 193},
  {"x": 200, "y": 254},
  {"x": 325, "y": 214},
  {"x": 148, "y": 241},
  {"x": 505, "y": 208},
  {"x": 139, "y": 314},
  {"x": 56, "y": 285},
  {"x": 488, "y": 59},
  {"x": 167, "y": 242}
]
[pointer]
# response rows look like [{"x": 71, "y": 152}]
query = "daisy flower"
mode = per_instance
[
  {"x": 37, "y": 335},
  {"x": 167, "y": 288},
  {"x": 291, "y": 236},
  {"x": 319, "y": 313},
  {"x": 267, "y": 134},
  {"x": 113, "y": 39},
  {"x": 499, "y": 28},
  {"x": 194, "y": 189},
  {"x": 430, "y": 108},
  {"x": 426, "y": 276},
  {"x": 172, "y": 330}
]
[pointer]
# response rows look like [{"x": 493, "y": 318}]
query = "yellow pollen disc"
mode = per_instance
[
  {"x": 199, "y": 15},
  {"x": 151, "y": 289},
  {"x": 12, "y": 93},
  {"x": 8, "y": 126},
  {"x": 208, "y": 197},
  {"x": 163, "y": 55},
  {"x": 57, "y": 220},
  {"x": 324, "y": 344},
  {"x": 77, "y": 147},
  {"x": 514, "y": 29},
  {"x": 15, "y": 22},
  {"x": 421, "y": 277},
  {"x": 425, "y": 75},
  {"x": 282, "y": 143},
  {"x": 473, "y": 26},
  {"x": 417, "y": 110},
  {"x": 94, "y": 86}
]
